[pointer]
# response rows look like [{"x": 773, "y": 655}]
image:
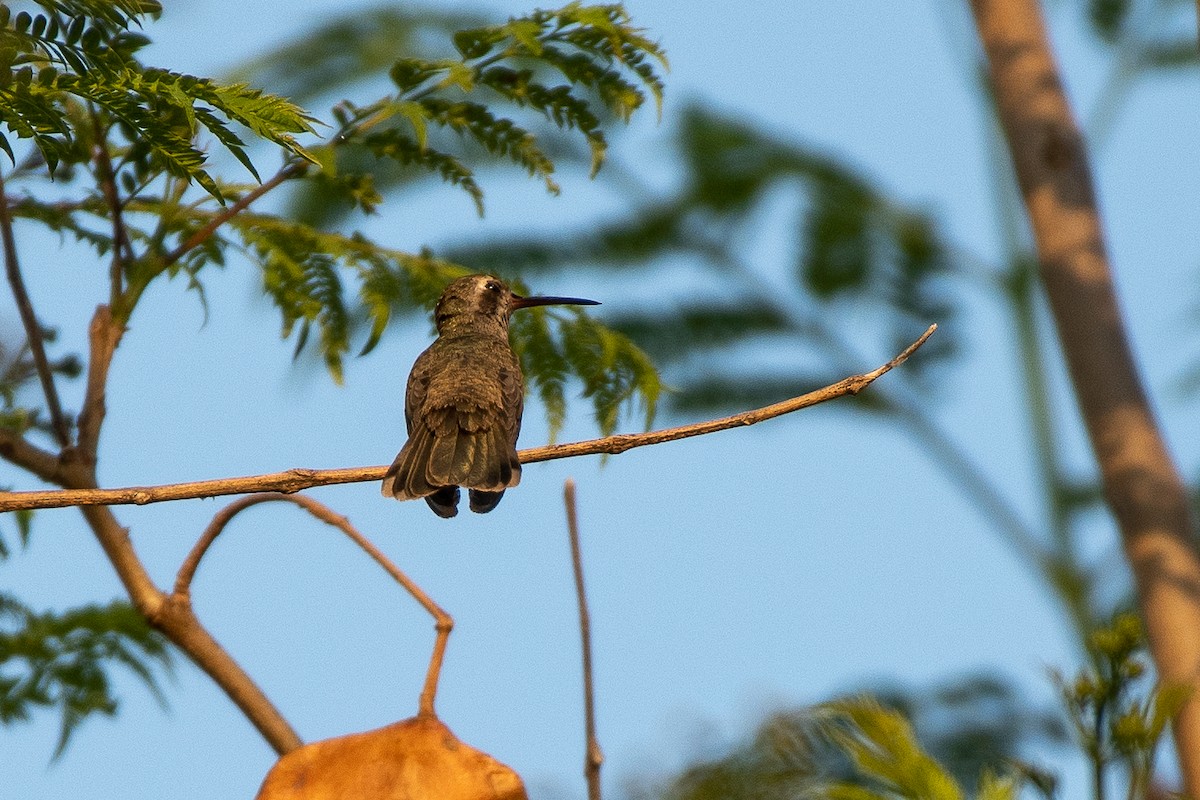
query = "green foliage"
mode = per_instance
[
  {"x": 85, "y": 53},
  {"x": 63, "y": 660},
  {"x": 614, "y": 372},
  {"x": 978, "y": 724},
  {"x": 17, "y": 373},
  {"x": 884, "y": 749},
  {"x": 303, "y": 272},
  {"x": 1116, "y": 720},
  {"x": 1107, "y": 17},
  {"x": 608, "y": 66},
  {"x": 325, "y": 285},
  {"x": 23, "y": 522},
  {"x": 442, "y": 104},
  {"x": 1151, "y": 37},
  {"x": 359, "y": 46},
  {"x": 127, "y": 143},
  {"x": 855, "y": 251},
  {"x": 927, "y": 746},
  {"x": 922, "y": 736}
]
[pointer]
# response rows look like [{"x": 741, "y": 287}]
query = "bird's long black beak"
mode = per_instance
[{"x": 526, "y": 302}]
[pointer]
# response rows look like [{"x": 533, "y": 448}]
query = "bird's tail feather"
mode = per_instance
[{"x": 433, "y": 461}]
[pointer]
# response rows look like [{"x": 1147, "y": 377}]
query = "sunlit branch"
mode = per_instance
[
  {"x": 296, "y": 479},
  {"x": 18, "y": 450},
  {"x": 1142, "y": 485},
  {"x": 104, "y": 335}
]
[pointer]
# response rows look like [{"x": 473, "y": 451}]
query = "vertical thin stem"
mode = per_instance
[
  {"x": 1067, "y": 577},
  {"x": 108, "y": 185},
  {"x": 1098, "y": 757},
  {"x": 593, "y": 757},
  {"x": 33, "y": 331}
]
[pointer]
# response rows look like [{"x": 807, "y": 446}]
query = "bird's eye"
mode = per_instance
[{"x": 492, "y": 286}]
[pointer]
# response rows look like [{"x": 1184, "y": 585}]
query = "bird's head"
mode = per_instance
[{"x": 486, "y": 300}]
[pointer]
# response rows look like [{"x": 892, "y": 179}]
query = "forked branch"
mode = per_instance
[{"x": 296, "y": 479}]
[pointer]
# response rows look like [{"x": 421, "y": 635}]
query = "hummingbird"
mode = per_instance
[{"x": 464, "y": 401}]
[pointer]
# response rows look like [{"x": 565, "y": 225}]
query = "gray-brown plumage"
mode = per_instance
[{"x": 464, "y": 401}]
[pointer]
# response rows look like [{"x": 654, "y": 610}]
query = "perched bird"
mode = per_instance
[{"x": 464, "y": 401}]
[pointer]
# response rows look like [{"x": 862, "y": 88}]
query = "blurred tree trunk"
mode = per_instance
[{"x": 1141, "y": 483}]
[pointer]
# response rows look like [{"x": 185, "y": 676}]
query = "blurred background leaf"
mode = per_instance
[{"x": 64, "y": 660}]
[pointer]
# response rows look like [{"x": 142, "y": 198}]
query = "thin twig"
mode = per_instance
[
  {"x": 33, "y": 331},
  {"x": 294, "y": 480},
  {"x": 443, "y": 623},
  {"x": 593, "y": 756},
  {"x": 291, "y": 170},
  {"x": 108, "y": 185},
  {"x": 18, "y": 450}
]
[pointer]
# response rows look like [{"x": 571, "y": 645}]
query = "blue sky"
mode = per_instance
[{"x": 728, "y": 574}]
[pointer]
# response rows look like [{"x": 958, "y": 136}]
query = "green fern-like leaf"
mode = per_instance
[
  {"x": 305, "y": 272},
  {"x": 607, "y": 64},
  {"x": 616, "y": 374},
  {"x": 544, "y": 365},
  {"x": 271, "y": 118},
  {"x": 305, "y": 286},
  {"x": 883, "y": 748},
  {"x": 498, "y": 136},
  {"x": 64, "y": 659},
  {"x": 405, "y": 150},
  {"x": 65, "y": 220},
  {"x": 82, "y": 51},
  {"x": 556, "y": 104},
  {"x": 360, "y": 44}
]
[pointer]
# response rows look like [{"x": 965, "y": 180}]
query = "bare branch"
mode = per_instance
[
  {"x": 20, "y": 451},
  {"x": 104, "y": 334},
  {"x": 1142, "y": 486},
  {"x": 296, "y": 479},
  {"x": 593, "y": 756},
  {"x": 443, "y": 623},
  {"x": 33, "y": 331},
  {"x": 175, "y": 618},
  {"x": 178, "y": 621}
]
